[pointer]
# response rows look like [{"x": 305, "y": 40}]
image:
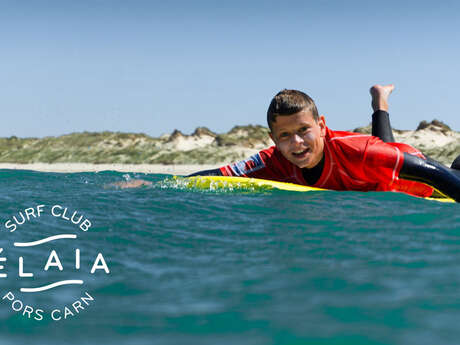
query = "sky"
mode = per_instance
[{"x": 156, "y": 66}]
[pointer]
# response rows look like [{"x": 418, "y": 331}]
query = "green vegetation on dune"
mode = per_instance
[
  {"x": 201, "y": 147},
  {"x": 247, "y": 136},
  {"x": 103, "y": 147},
  {"x": 445, "y": 155},
  {"x": 126, "y": 148}
]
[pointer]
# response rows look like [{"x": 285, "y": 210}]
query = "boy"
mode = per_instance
[{"x": 307, "y": 152}]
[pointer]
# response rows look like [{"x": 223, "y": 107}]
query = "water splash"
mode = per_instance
[{"x": 204, "y": 184}]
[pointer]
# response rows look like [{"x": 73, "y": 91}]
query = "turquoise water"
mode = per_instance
[{"x": 241, "y": 267}]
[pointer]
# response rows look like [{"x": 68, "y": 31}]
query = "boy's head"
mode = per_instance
[
  {"x": 296, "y": 128},
  {"x": 288, "y": 102}
]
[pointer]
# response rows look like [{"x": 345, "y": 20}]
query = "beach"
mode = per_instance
[{"x": 179, "y": 169}]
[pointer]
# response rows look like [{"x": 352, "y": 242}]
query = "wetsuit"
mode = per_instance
[
  {"x": 424, "y": 170},
  {"x": 354, "y": 161}
]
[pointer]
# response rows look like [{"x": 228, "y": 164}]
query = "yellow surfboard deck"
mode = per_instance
[
  {"x": 230, "y": 182},
  {"x": 215, "y": 182}
]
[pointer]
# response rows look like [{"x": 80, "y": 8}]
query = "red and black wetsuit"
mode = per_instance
[
  {"x": 358, "y": 162},
  {"x": 352, "y": 161}
]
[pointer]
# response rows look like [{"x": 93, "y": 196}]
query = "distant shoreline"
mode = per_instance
[
  {"x": 176, "y": 169},
  {"x": 181, "y": 154}
]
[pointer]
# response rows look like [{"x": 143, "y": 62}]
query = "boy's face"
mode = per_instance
[{"x": 300, "y": 138}]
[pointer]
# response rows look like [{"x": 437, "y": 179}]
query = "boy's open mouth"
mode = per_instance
[{"x": 301, "y": 153}]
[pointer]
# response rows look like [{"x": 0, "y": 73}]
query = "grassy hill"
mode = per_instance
[{"x": 201, "y": 147}]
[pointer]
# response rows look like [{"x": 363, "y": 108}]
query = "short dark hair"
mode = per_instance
[{"x": 288, "y": 102}]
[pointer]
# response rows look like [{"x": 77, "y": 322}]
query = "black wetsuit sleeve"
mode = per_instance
[
  {"x": 211, "y": 172},
  {"x": 381, "y": 126},
  {"x": 445, "y": 180}
]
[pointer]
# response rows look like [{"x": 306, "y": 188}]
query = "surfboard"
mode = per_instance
[{"x": 232, "y": 183}]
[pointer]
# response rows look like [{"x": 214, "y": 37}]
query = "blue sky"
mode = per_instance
[{"x": 152, "y": 67}]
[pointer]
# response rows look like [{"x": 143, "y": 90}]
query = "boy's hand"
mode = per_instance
[{"x": 132, "y": 184}]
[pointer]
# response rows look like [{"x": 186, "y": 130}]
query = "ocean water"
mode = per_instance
[{"x": 225, "y": 267}]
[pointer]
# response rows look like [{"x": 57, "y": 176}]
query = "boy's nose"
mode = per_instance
[{"x": 296, "y": 139}]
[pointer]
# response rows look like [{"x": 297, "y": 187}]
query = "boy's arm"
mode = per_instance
[{"x": 260, "y": 165}]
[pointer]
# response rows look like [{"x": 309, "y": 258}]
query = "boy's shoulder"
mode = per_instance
[
  {"x": 350, "y": 144},
  {"x": 344, "y": 140},
  {"x": 345, "y": 136}
]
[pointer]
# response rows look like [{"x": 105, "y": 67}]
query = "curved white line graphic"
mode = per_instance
[
  {"x": 51, "y": 286},
  {"x": 48, "y": 239}
]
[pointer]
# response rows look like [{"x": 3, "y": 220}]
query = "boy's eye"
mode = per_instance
[
  {"x": 303, "y": 129},
  {"x": 284, "y": 135}
]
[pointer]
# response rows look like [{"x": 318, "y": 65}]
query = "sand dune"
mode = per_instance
[{"x": 178, "y": 153}]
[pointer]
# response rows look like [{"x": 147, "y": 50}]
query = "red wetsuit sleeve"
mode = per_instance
[
  {"x": 383, "y": 162},
  {"x": 265, "y": 164},
  {"x": 255, "y": 166}
]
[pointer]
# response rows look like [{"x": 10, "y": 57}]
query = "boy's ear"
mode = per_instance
[
  {"x": 271, "y": 136},
  {"x": 322, "y": 125}
]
